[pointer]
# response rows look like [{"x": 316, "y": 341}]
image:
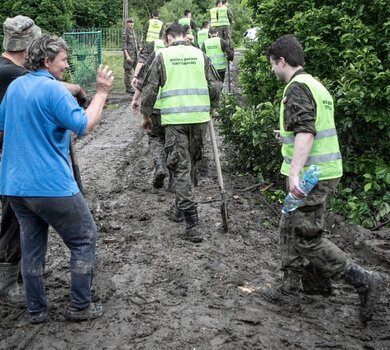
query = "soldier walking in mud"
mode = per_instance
[
  {"x": 308, "y": 136},
  {"x": 130, "y": 51},
  {"x": 156, "y": 134},
  {"x": 189, "y": 90},
  {"x": 35, "y": 116}
]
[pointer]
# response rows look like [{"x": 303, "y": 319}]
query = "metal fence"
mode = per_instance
[
  {"x": 84, "y": 57},
  {"x": 111, "y": 37}
]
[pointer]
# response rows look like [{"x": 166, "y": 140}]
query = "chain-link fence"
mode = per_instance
[{"x": 84, "y": 57}]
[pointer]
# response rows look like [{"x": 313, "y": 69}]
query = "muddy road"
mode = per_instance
[{"x": 160, "y": 292}]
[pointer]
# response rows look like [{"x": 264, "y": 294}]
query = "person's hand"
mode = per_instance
[
  {"x": 104, "y": 79},
  {"x": 134, "y": 82},
  {"x": 277, "y": 135},
  {"x": 147, "y": 124},
  {"x": 128, "y": 59},
  {"x": 295, "y": 190},
  {"x": 135, "y": 105}
]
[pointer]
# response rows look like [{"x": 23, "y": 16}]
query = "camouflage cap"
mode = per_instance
[{"x": 19, "y": 32}]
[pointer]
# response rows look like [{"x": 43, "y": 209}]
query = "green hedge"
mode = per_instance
[{"x": 347, "y": 45}]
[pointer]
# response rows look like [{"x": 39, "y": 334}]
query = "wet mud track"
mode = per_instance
[{"x": 160, "y": 292}]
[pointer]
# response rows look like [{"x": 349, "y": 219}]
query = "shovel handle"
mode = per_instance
[{"x": 216, "y": 155}]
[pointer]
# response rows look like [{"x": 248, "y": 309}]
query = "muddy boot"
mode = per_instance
[
  {"x": 171, "y": 181},
  {"x": 192, "y": 232},
  {"x": 10, "y": 291},
  {"x": 369, "y": 287},
  {"x": 290, "y": 287},
  {"x": 159, "y": 174},
  {"x": 174, "y": 213},
  {"x": 315, "y": 282}
]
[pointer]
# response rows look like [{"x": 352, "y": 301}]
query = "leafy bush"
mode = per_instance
[{"x": 347, "y": 45}]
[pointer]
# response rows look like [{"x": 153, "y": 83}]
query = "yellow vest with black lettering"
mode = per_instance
[
  {"x": 203, "y": 35},
  {"x": 154, "y": 30},
  {"x": 325, "y": 151},
  {"x": 185, "y": 21},
  {"x": 214, "y": 52},
  {"x": 184, "y": 98},
  {"x": 223, "y": 19},
  {"x": 213, "y": 17}
]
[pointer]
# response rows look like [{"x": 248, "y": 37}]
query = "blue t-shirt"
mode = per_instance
[{"x": 35, "y": 116}]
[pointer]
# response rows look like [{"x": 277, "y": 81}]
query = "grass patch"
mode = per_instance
[{"x": 114, "y": 59}]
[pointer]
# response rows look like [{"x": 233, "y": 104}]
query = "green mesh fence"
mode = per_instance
[{"x": 84, "y": 57}]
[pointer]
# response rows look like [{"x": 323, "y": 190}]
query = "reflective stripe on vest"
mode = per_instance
[
  {"x": 184, "y": 98},
  {"x": 223, "y": 19},
  {"x": 154, "y": 30},
  {"x": 203, "y": 35},
  {"x": 325, "y": 151},
  {"x": 185, "y": 21},
  {"x": 213, "y": 17},
  {"x": 215, "y": 53},
  {"x": 158, "y": 46}
]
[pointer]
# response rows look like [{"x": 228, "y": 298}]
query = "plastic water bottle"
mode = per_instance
[{"x": 306, "y": 183}]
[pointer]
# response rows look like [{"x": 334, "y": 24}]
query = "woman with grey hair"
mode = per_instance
[{"x": 35, "y": 116}]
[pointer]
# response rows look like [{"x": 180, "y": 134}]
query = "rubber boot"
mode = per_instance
[
  {"x": 10, "y": 291},
  {"x": 174, "y": 213},
  {"x": 159, "y": 174},
  {"x": 171, "y": 181},
  {"x": 368, "y": 286},
  {"x": 290, "y": 287},
  {"x": 192, "y": 232}
]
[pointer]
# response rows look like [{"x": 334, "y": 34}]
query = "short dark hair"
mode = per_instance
[
  {"x": 45, "y": 46},
  {"x": 288, "y": 47},
  {"x": 187, "y": 12},
  {"x": 155, "y": 13},
  {"x": 213, "y": 30},
  {"x": 217, "y": 2},
  {"x": 175, "y": 30},
  {"x": 205, "y": 24},
  {"x": 224, "y": 2}
]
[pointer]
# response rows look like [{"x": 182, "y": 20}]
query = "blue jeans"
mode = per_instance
[{"x": 71, "y": 218}]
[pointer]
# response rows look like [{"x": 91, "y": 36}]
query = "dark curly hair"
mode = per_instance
[{"x": 45, "y": 46}]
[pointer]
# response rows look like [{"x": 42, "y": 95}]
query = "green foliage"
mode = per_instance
[
  {"x": 347, "y": 45},
  {"x": 251, "y": 131}
]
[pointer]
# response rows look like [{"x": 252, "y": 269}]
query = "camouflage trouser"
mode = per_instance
[
  {"x": 301, "y": 235},
  {"x": 157, "y": 138},
  {"x": 129, "y": 71},
  {"x": 184, "y": 147},
  {"x": 224, "y": 33}
]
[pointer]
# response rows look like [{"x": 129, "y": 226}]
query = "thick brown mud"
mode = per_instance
[{"x": 160, "y": 292}]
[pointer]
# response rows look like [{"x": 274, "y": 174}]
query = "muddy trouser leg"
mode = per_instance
[
  {"x": 197, "y": 138},
  {"x": 9, "y": 235},
  {"x": 157, "y": 139},
  {"x": 179, "y": 161},
  {"x": 128, "y": 73},
  {"x": 221, "y": 74},
  {"x": 71, "y": 218},
  {"x": 302, "y": 235}
]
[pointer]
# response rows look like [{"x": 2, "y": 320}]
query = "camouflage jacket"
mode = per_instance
[
  {"x": 129, "y": 41},
  {"x": 299, "y": 108},
  {"x": 156, "y": 77}
]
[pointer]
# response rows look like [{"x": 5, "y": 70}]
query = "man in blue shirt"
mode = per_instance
[{"x": 35, "y": 116}]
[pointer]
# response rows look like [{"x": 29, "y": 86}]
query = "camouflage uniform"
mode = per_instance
[
  {"x": 156, "y": 135},
  {"x": 301, "y": 232},
  {"x": 225, "y": 32},
  {"x": 129, "y": 43},
  {"x": 183, "y": 143}
]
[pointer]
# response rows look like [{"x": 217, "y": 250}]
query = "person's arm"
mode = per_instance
[
  {"x": 155, "y": 77},
  {"x": 230, "y": 16},
  {"x": 229, "y": 52},
  {"x": 303, "y": 143},
  {"x": 299, "y": 117},
  {"x": 213, "y": 82},
  {"x": 104, "y": 80},
  {"x": 194, "y": 25}
]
